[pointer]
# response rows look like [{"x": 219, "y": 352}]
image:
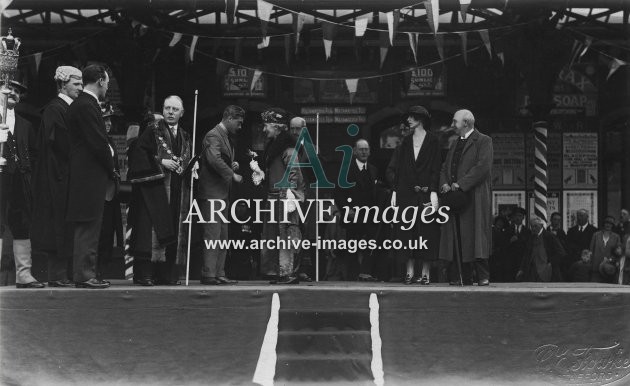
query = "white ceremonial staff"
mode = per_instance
[
  {"x": 317, "y": 201},
  {"x": 192, "y": 179}
]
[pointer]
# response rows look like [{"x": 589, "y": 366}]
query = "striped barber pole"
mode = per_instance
[
  {"x": 540, "y": 166},
  {"x": 128, "y": 256}
]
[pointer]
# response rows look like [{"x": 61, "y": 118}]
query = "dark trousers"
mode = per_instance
[
  {"x": 480, "y": 266},
  {"x": 86, "y": 235},
  {"x": 60, "y": 260},
  {"x": 213, "y": 262}
]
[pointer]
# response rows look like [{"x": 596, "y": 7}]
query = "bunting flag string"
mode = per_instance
[
  {"x": 328, "y": 37},
  {"x": 587, "y": 44},
  {"x": 38, "y": 60},
  {"x": 501, "y": 57},
  {"x": 255, "y": 77},
  {"x": 4, "y": 4},
  {"x": 384, "y": 47},
  {"x": 264, "y": 43},
  {"x": 393, "y": 19},
  {"x": 231, "y": 6},
  {"x": 298, "y": 24},
  {"x": 464, "y": 4}
]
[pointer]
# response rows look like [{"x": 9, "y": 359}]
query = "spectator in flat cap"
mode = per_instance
[
  {"x": 416, "y": 176},
  {"x": 51, "y": 233}
]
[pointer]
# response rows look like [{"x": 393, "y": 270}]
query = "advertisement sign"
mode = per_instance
[
  {"x": 237, "y": 83},
  {"x": 576, "y": 200},
  {"x": 427, "y": 81},
  {"x": 503, "y": 202},
  {"x": 508, "y": 169},
  {"x": 553, "y": 204},
  {"x": 579, "y": 160}
]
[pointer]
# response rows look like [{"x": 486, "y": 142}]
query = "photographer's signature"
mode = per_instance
[{"x": 583, "y": 365}]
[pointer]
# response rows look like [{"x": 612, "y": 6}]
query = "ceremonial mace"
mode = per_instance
[
  {"x": 9, "y": 54},
  {"x": 192, "y": 179}
]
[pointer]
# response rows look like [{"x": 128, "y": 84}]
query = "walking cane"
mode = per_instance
[
  {"x": 192, "y": 179},
  {"x": 458, "y": 255}
]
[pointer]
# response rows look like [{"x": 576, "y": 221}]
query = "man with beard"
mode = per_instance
[
  {"x": 51, "y": 233},
  {"x": 16, "y": 189}
]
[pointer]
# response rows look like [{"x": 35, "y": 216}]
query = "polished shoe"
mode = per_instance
[
  {"x": 408, "y": 279},
  {"x": 60, "y": 283},
  {"x": 288, "y": 280},
  {"x": 305, "y": 277},
  {"x": 424, "y": 281},
  {"x": 225, "y": 280},
  {"x": 166, "y": 282},
  {"x": 483, "y": 282},
  {"x": 209, "y": 281},
  {"x": 92, "y": 284},
  {"x": 459, "y": 283},
  {"x": 33, "y": 284},
  {"x": 146, "y": 282}
]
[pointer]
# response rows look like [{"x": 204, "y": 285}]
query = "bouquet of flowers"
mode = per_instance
[{"x": 257, "y": 174}]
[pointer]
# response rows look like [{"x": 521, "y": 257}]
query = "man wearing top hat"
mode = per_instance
[
  {"x": 16, "y": 188},
  {"x": 468, "y": 169},
  {"x": 51, "y": 233}
]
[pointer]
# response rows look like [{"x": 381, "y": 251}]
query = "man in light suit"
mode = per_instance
[
  {"x": 217, "y": 171},
  {"x": 91, "y": 174}
]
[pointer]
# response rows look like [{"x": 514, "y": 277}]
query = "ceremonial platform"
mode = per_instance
[{"x": 316, "y": 333}]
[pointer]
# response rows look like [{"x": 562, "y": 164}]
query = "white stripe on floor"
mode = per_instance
[
  {"x": 377, "y": 359},
  {"x": 266, "y": 367}
]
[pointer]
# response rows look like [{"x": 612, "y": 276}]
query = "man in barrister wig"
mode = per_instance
[
  {"x": 156, "y": 163},
  {"x": 17, "y": 134},
  {"x": 51, "y": 233}
]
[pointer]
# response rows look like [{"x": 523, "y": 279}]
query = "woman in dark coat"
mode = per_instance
[{"x": 415, "y": 167}]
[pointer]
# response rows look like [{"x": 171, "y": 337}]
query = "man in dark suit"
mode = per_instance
[
  {"x": 91, "y": 173},
  {"x": 363, "y": 194},
  {"x": 541, "y": 256},
  {"x": 468, "y": 169},
  {"x": 16, "y": 190},
  {"x": 51, "y": 233},
  {"x": 555, "y": 227},
  {"x": 217, "y": 171},
  {"x": 519, "y": 235},
  {"x": 579, "y": 237}
]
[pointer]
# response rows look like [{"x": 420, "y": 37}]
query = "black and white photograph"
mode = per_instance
[{"x": 299, "y": 192}]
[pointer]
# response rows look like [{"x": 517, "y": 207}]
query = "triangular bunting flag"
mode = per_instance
[
  {"x": 464, "y": 37},
  {"x": 298, "y": 24},
  {"x": 193, "y": 46},
  {"x": 464, "y": 8},
  {"x": 587, "y": 44},
  {"x": 575, "y": 51},
  {"x": 413, "y": 43},
  {"x": 257, "y": 74},
  {"x": 439, "y": 43},
  {"x": 264, "y": 13},
  {"x": 352, "y": 87},
  {"x": 176, "y": 38},
  {"x": 38, "y": 60},
  {"x": 360, "y": 25},
  {"x": 433, "y": 13},
  {"x": 4, "y": 4},
  {"x": 328, "y": 30},
  {"x": 485, "y": 37},
  {"x": 501, "y": 57},
  {"x": 393, "y": 18},
  {"x": 230, "y": 10},
  {"x": 614, "y": 66},
  {"x": 384, "y": 46},
  {"x": 264, "y": 43}
]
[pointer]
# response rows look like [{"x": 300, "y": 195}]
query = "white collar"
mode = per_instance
[
  {"x": 541, "y": 231},
  {"x": 65, "y": 98},
  {"x": 468, "y": 134},
  {"x": 91, "y": 93},
  {"x": 360, "y": 164}
]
